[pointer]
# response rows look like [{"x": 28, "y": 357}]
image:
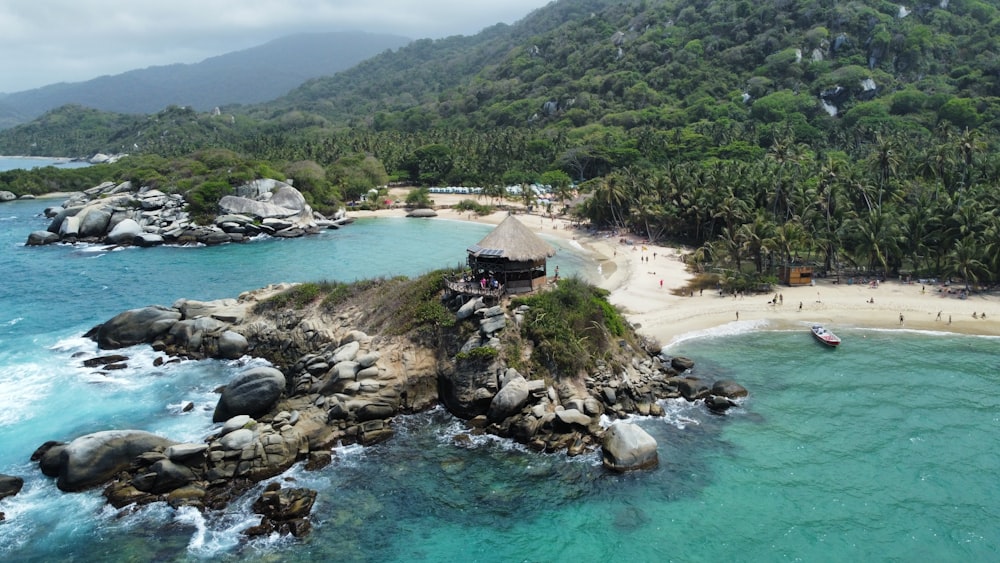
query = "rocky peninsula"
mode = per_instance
[
  {"x": 126, "y": 214},
  {"x": 346, "y": 359}
]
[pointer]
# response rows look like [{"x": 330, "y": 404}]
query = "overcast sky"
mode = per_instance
[{"x": 47, "y": 41}]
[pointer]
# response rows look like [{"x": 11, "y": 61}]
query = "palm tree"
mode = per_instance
[
  {"x": 963, "y": 261},
  {"x": 757, "y": 238},
  {"x": 885, "y": 161},
  {"x": 875, "y": 239}
]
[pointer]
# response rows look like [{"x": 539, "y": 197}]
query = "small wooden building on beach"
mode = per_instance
[
  {"x": 513, "y": 255},
  {"x": 792, "y": 274}
]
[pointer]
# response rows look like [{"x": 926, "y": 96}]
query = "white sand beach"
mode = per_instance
[{"x": 645, "y": 280}]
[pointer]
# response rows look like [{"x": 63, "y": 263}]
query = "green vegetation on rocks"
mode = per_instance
[{"x": 572, "y": 326}]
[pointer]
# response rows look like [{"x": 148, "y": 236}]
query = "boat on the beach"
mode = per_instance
[{"x": 825, "y": 336}]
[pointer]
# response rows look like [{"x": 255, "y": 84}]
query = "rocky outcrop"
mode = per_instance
[
  {"x": 332, "y": 383},
  {"x": 125, "y": 214},
  {"x": 422, "y": 213},
  {"x": 285, "y": 511}
]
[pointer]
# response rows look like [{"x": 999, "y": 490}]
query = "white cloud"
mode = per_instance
[{"x": 48, "y": 41}]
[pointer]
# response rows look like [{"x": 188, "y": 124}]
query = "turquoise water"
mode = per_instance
[
  {"x": 14, "y": 162},
  {"x": 884, "y": 449}
]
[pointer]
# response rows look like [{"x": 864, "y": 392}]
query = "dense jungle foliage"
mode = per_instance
[{"x": 851, "y": 133}]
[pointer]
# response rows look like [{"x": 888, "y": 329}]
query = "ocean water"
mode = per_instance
[
  {"x": 14, "y": 162},
  {"x": 884, "y": 449}
]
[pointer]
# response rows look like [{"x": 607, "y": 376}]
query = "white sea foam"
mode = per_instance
[
  {"x": 457, "y": 427},
  {"x": 676, "y": 412},
  {"x": 576, "y": 244},
  {"x": 14, "y": 321},
  {"x": 22, "y": 388},
  {"x": 729, "y": 329}
]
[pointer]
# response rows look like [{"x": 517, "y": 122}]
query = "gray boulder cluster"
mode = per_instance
[
  {"x": 192, "y": 329},
  {"x": 567, "y": 415},
  {"x": 125, "y": 214},
  {"x": 333, "y": 383}
]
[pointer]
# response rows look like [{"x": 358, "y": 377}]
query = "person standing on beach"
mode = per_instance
[
  {"x": 938, "y": 317},
  {"x": 737, "y": 315},
  {"x": 661, "y": 284},
  {"x": 901, "y": 319}
]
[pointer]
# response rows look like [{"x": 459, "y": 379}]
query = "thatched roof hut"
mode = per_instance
[
  {"x": 513, "y": 241},
  {"x": 513, "y": 255}
]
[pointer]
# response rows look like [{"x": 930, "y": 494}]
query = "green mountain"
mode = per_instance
[
  {"x": 722, "y": 77},
  {"x": 852, "y": 134},
  {"x": 249, "y": 76}
]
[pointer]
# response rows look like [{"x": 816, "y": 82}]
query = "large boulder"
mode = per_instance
[
  {"x": 6, "y": 196},
  {"x": 190, "y": 334},
  {"x": 39, "y": 238},
  {"x": 94, "y": 221},
  {"x": 510, "y": 400},
  {"x": 252, "y": 393},
  {"x": 692, "y": 388},
  {"x": 422, "y": 213},
  {"x": 135, "y": 326},
  {"x": 10, "y": 485},
  {"x": 124, "y": 232},
  {"x": 289, "y": 198},
  {"x": 729, "y": 389},
  {"x": 232, "y": 345},
  {"x": 94, "y": 459},
  {"x": 627, "y": 447}
]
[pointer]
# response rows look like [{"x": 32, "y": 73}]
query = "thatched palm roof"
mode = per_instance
[{"x": 513, "y": 241}]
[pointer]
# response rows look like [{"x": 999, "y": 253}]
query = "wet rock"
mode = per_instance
[
  {"x": 627, "y": 447},
  {"x": 10, "y": 485},
  {"x": 285, "y": 511},
  {"x": 136, "y": 326},
  {"x": 692, "y": 388},
  {"x": 93, "y": 459},
  {"x": 729, "y": 389},
  {"x": 40, "y": 238}
]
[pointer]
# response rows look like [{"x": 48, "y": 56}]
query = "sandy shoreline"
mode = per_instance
[{"x": 642, "y": 278}]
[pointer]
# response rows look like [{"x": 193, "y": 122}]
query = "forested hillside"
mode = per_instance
[{"x": 852, "y": 133}]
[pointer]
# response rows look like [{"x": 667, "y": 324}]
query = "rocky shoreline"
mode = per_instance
[
  {"x": 332, "y": 383},
  {"x": 125, "y": 214}
]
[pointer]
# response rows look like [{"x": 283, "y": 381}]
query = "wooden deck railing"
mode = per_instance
[{"x": 473, "y": 288}]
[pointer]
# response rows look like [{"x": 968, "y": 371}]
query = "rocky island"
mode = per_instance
[
  {"x": 552, "y": 370},
  {"x": 126, "y": 214}
]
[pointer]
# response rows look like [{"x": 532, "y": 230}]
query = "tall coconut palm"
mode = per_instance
[
  {"x": 964, "y": 261},
  {"x": 758, "y": 239},
  {"x": 875, "y": 239}
]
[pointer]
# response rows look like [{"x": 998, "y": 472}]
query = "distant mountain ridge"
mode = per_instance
[{"x": 249, "y": 76}]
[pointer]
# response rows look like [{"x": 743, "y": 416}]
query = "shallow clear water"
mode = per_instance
[{"x": 884, "y": 449}]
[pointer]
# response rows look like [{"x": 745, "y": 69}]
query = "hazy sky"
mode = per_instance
[{"x": 47, "y": 41}]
